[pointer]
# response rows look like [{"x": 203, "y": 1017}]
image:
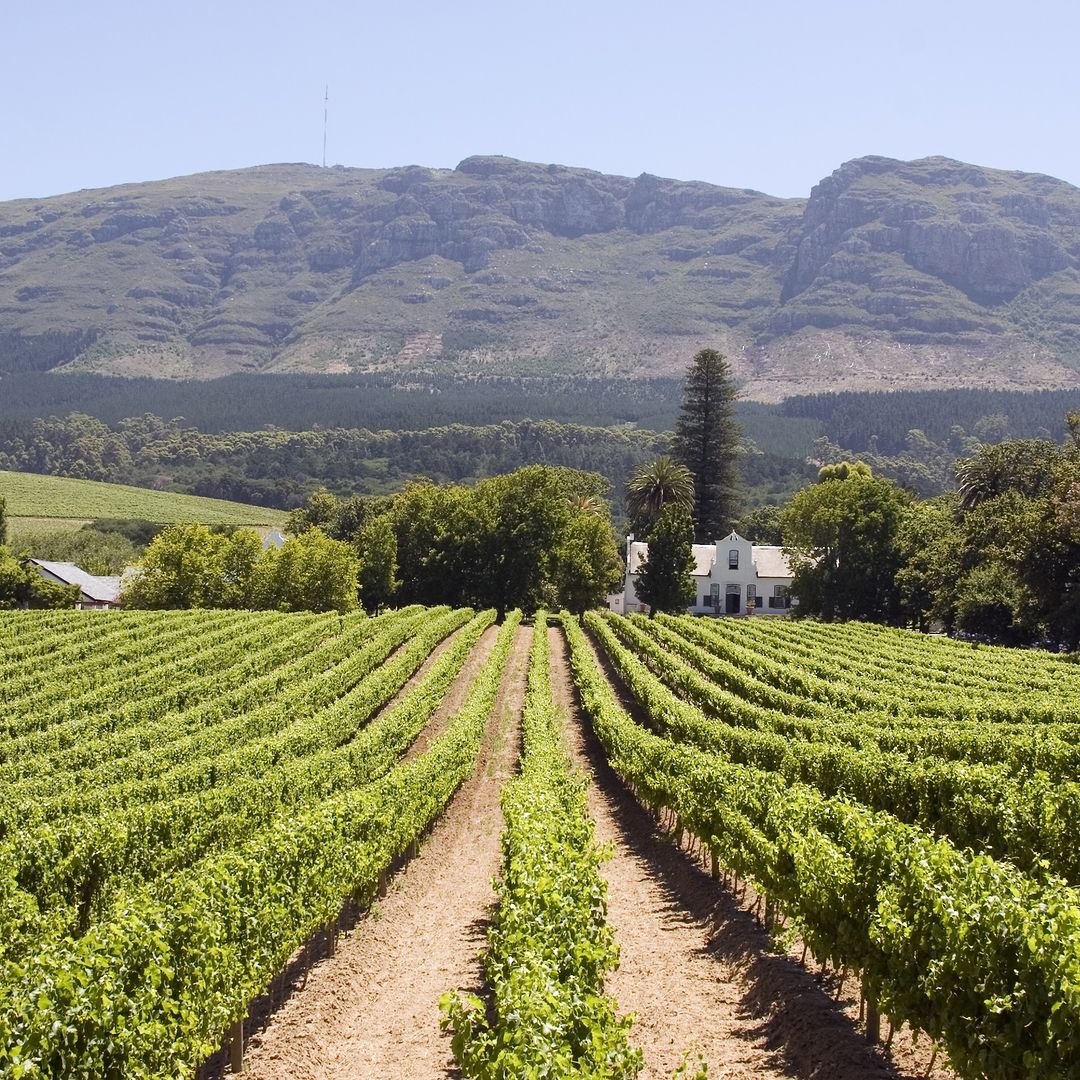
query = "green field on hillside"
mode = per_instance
[{"x": 30, "y": 495}]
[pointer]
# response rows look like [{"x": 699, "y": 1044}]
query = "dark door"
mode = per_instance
[{"x": 732, "y": 607}]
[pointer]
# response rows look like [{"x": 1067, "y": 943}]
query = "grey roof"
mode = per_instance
[
  {"x": 704, "y": 554},
  {"x": 103, "y": 590},
  {"x": 770, "y": 561}
]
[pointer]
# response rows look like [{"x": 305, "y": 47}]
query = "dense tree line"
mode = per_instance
[
  {"x": 278, "y": 468},
  {"x": 999, "y": 559},
  {"x": 191, "y": 566},
  {"x": 538, "y": 537},
  {"x": 880, "y": 422},
  {"x": 410, "y": 401},
  {"x": 281, "y": 469}
]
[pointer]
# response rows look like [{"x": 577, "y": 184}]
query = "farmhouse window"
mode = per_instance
[
  {"x": 780, "y": 598},
  {"x": 733, "y": 559}
]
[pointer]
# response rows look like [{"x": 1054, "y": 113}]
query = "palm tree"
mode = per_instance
[
  {"x": 1021, "y": 465},
  {"x": 654, "y": 485}
]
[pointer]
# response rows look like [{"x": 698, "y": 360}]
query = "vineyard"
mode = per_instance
[{"x": 266, "y": 839}]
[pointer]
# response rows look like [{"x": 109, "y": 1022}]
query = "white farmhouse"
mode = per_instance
[{"x": 731, "y": 577}]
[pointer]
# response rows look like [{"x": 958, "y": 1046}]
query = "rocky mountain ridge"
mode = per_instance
[{"x": 914, "y": 274}]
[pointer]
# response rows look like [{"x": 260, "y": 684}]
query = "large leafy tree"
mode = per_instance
[
  {"x": 841, "y": 538},
  {"x": 183, "y": 568},
  {"x": 378, "y": 578},
  {"x": 928, "y": 540},
  {"x": 707, "y": 441},
  {"x": 654, "y": 485},
  {"x": 540, "y": 536},
  {"x": 665, "y": 580},
  {"x": 587, "y": 563},
  {"x": 309, "y": 572}
]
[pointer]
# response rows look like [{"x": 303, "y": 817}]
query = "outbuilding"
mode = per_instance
[{"x": 95, "y": 593}]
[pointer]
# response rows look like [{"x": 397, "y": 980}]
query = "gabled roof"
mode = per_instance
[
  {"x": 704, "y": 554},
  {"x": 769, "y": 561},
  {"x": 103, "y": 590}
]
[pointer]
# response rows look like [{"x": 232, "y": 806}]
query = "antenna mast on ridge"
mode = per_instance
[{"x": 325, "y": 111}]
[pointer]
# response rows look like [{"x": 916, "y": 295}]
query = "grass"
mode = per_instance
[{"x": 67, "y": 501}]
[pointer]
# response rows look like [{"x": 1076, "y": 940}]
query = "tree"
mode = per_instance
[
  {"x": 183, "y": 568},
  {"x": 841, "y": 538},
  {"x": 928, "y": 541},
  {"x": 587, "y": 563},
  {"x": 239, "y": 557},
  {"x": 1022, "y": 465},
  {"x": 319, "y": 512},
  {"x": 665, "y": 581},
  {"x": 990, "y": 602},
  {"x": 653, "y": 486},
  {"x": 377, "y": 576},
  {"x": 310, "y": 572},
  {"x": 761, "y": 526},
  {"x": 841, "y": 470},
  {"x": 707, "y": 441}
]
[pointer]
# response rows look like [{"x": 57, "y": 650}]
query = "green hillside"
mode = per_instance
[
  {"x": 891, "y": 275},
  {"x": 30, "y": 495}
]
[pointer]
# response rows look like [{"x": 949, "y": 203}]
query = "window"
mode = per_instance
[
  {"x": 780, "y": 598},
  {"x": 714, "y": 595},
  {"x": 733, "y": 559},
  {"x": 751, "y": 597}
]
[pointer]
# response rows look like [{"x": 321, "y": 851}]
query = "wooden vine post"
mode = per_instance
[{"x": 235, "y": 1053}]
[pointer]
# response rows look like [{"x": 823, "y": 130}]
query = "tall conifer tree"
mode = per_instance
[{"x": 707, "y": 442}]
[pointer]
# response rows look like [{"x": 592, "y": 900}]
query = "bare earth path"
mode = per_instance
[
  {"x": 372, "y": 1010},
  {"x": 695, "y": 969}
]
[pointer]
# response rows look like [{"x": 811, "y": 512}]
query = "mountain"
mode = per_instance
[{"x": 892, "y": 274}]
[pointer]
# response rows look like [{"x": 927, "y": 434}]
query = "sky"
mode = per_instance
[{"x": 771, "y": 96}]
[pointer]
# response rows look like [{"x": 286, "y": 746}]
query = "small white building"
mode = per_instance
[
  {"x": 731, "y": 577},
  {"x": 98, "y": 593}
]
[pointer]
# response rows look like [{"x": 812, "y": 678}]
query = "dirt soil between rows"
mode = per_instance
[
  {"x": 372, "y": 1009},
  {"x": 695, "y": 969}
]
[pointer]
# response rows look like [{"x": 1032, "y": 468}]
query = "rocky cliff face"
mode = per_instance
[
  {"x": 905, "y": 273},
  {"x": 894, "y": 234}
]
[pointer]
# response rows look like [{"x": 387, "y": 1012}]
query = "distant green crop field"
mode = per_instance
[{"x": 32, "y": 495}]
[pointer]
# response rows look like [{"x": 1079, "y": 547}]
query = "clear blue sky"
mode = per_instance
[{"x": 772, "y": 96}]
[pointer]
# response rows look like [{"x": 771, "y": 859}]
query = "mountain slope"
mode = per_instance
[{"x": 891, "y": 274}]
